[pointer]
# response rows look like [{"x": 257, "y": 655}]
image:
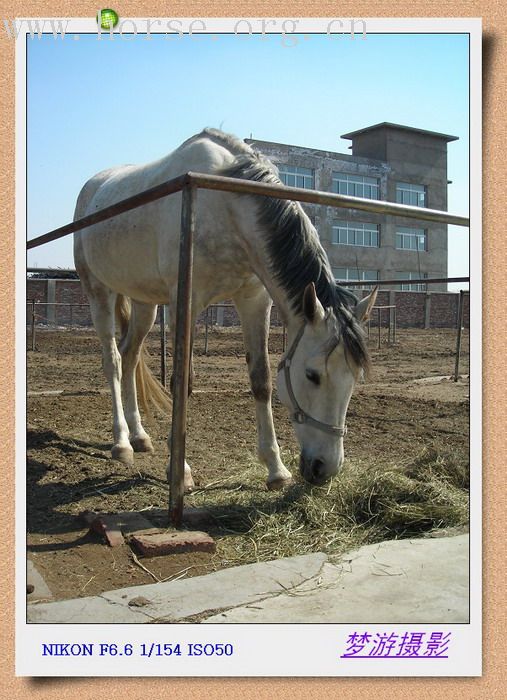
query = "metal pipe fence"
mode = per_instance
[
  {"x": 362, "y": 284},
  {"x": 189, "y": 184},
  {"x": 391, "y": 324},
  {"x": 32, "y": 315},
  {"x": 209, "y": 319},
  {"x": 459, "y": 334}
]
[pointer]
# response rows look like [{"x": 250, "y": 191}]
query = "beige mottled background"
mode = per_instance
[{"x": 494, "y": 682}]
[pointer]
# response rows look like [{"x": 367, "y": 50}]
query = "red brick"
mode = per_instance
[
  {"x": 114, "y": 525},
  {"x": 155, "y": 544},
  {"x": 111, "y": 533}
]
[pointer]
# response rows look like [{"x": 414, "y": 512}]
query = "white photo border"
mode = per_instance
[{"x": 308, "y": 649}]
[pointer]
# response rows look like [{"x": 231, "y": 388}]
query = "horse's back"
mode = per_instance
[
  {"x": 135, "y": 253},
  {"x": 205, "y": 152}
]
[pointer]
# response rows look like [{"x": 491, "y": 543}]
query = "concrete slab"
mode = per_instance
[
  {"x": 185, "y": 599},
  {"x": 84, "y": 610},
  {"x": 201, "y": 596},
  {"x": 401, "y": 581},
  {"x": 40, "y": 590}
]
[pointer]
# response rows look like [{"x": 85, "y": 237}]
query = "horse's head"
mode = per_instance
[{"x": 316, "y": 379}]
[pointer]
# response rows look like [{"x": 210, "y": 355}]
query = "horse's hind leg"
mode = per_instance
[
  {"x": 189, "y": 484},
  {"x": 254, "y": 309},
  {"x": 141, "y": 321},
  {"x": 102, "y": 302}
]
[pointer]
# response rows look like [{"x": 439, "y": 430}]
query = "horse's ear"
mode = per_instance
[
  {"x": 363, "y": 308},
  {"x": 312, "y": 308}
]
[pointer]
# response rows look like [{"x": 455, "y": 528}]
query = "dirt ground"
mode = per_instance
[{"x": 69, "y": 469}]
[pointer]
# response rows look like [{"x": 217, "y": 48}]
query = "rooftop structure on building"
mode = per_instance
[{"x": 389, "y": 162}]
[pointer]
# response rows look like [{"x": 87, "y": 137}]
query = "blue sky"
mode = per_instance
[{"x": 94, "y": 104}]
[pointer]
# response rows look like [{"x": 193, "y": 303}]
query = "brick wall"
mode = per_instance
[
  {"x": 423, "y": 309},
  {"x": 226, "y": 315},
  {"x": 71, "y": 292},
  {"x": 413, "y": 309},
  {"x": 410, "y": 309},
  {"x": 66, "y": 292},
  {"x": 36, "y": 290},
  {"x": 445, "y": 314}
]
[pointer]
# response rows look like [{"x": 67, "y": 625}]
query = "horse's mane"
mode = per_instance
[{"x": 296, "y": 254}]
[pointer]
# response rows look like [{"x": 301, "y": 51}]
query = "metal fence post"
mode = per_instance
[
  {"x": 206, "y": 323},
  {"x": 181, "y": 355},
  {"x": 33, "y": 325},
  {"x": 460, "y": 329},
  {"x": 163, "y": 346}
]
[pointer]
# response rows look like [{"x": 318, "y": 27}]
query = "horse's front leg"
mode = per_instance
[{"x": 254, "y": 312}]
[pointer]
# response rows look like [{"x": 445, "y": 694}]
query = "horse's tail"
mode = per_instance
[{"x": 150, "y": 392}]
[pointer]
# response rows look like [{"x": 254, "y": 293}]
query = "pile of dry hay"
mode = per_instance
[{"x": 368, "y": 502}]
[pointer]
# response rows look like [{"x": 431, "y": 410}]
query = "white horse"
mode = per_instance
[{"x": 249, "y": 249}]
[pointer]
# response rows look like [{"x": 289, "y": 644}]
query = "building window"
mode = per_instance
[
  {"x": 294, "y": 176},
  {"x": 354, "y": 233},
  {"x": 418, "y": 287},
  {"x": 352, "y": 274},
  {"x": 410, "y": 238},
  {"x": 356, "y": 185},
  {"x": 414, "y": 195}
]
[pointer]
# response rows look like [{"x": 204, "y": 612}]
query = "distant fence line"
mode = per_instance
[
  {"x": 210, "y": 317},
  {"x": 62, "y": 303}
]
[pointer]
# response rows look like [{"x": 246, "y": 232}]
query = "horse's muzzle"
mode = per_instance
[{"x": 315, "y": 471}]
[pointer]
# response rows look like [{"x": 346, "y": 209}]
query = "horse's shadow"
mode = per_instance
[
  {"x": 41, "y": 439},
  {"x": 46, "y": 499}
]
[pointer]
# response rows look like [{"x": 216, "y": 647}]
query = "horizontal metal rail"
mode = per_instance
[
  {"x": 138, "y": 200},
  {"x": 343, "y": 283},
  {"x": 61, "y": 270},
  {"x": 55, "y": 303},
  {"x": 236, "y": 185},
  {"x": 377, "y": 283},
  {"x": 374, "y": 206}
]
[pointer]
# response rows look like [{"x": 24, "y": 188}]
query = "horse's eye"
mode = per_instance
[{"x": 313, "y": 376}]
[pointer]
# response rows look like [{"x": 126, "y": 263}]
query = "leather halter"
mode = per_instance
[{"x": 300, "y": 416}]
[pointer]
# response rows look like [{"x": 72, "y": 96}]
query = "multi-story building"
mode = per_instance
[{"x": 388, "y": 162}]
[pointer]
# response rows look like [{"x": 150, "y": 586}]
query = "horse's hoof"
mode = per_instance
[
  {"x": 125, "y": 455},
  {"x": 188, "y": 482},
  {"x": 278, "y": 484},
  {"x": 142, "y": 444}
]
